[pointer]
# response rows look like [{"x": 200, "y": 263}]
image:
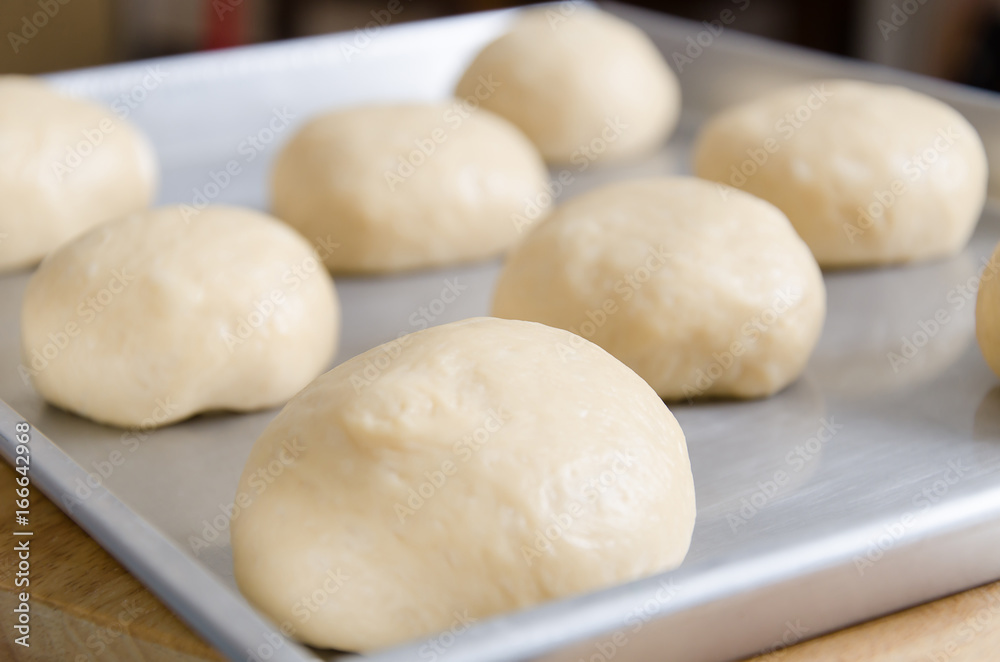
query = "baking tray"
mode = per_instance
[{"x": 799, "y": 531}]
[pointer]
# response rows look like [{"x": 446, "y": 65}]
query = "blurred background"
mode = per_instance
[{"x": 953, "y": 39}]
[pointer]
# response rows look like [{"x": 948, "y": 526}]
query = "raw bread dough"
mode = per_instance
[
  {"x": 403, "y": 187},
  {"x": 988, "y": 312},
  {"x": 868, "y": 174},
  {"x": 700, "y": 290},
  {"x": 466, "y": 470},
  {"x": 152, "y": 318},
  {"x": 65, "y": 166},
  {"x": 583, "y": 84}
]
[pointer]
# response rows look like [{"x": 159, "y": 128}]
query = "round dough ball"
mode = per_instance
[
  {"x": 155, "y": 317},
  {"x": 65, "y": 166},
  {"x": 701, "y": 290},
  {"x": 868, "y": 174},
  {"x": 988, "y": 312},
  {"x": 491, "y": 465},
  {"x": 404, "y": 187},
  {"x": 584, "y": 85}
]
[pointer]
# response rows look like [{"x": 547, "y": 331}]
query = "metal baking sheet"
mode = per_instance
[{"x": 869, "y": 485}]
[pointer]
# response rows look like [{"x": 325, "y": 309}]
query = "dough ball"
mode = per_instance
[
  {"x": 65, "y": 166},
  {"x": 490, "y": 466},
  {"x": 583, "y": 84},
  {"x": 701, "y": 290},
  {"x": 152, "y": 318},
  {"x": 988, "y": 312},
  {"x": 868, "y": 174},
  {"x": 404, "y": 187}
]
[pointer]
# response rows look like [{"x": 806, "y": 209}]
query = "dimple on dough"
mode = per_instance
[
  {"x": 155, "y": 317},
  {"x": 702, "y": 290},
  {"x": 65, "y": 166},
  {"x": 490, "y": 465},
  {"x": 408, "y": 186},
  {"x": 583, "y": 85},
  {"x": 868, "y": 174}
]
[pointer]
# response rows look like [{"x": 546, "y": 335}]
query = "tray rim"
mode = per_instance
[{"x": 107, "y": 519}]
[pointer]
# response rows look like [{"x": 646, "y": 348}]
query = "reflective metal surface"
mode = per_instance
[{"x": 871, "y": 484}]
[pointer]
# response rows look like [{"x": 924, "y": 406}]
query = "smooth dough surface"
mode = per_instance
[
  {"x": 584, "y": 85},
  {"x": 484, "y": 466},
  {"x": 868, "y": 174},
  {"x": 702, "y": 291},
  {"x": 410, "y": 186},
  {"x": 65, "y": 165},
  {"x": 988, "y": 312},
  {"x": 155, "y": 317}
]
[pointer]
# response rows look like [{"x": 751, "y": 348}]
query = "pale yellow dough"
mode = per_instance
[
  {"x": 583, "y": 84},
  {"x": 485, "y": 466},
  {"x": 65, "y": 166},
  {"x": 868, "y": 174},
  {"x": 410, "y": 186},
  {"x": 703, "y": 291},
  {"x": 155, "y": 317},
  {"x": 988, "y": 312}
]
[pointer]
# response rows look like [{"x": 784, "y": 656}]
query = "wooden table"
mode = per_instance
[{"x": 86, "y": 607}]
